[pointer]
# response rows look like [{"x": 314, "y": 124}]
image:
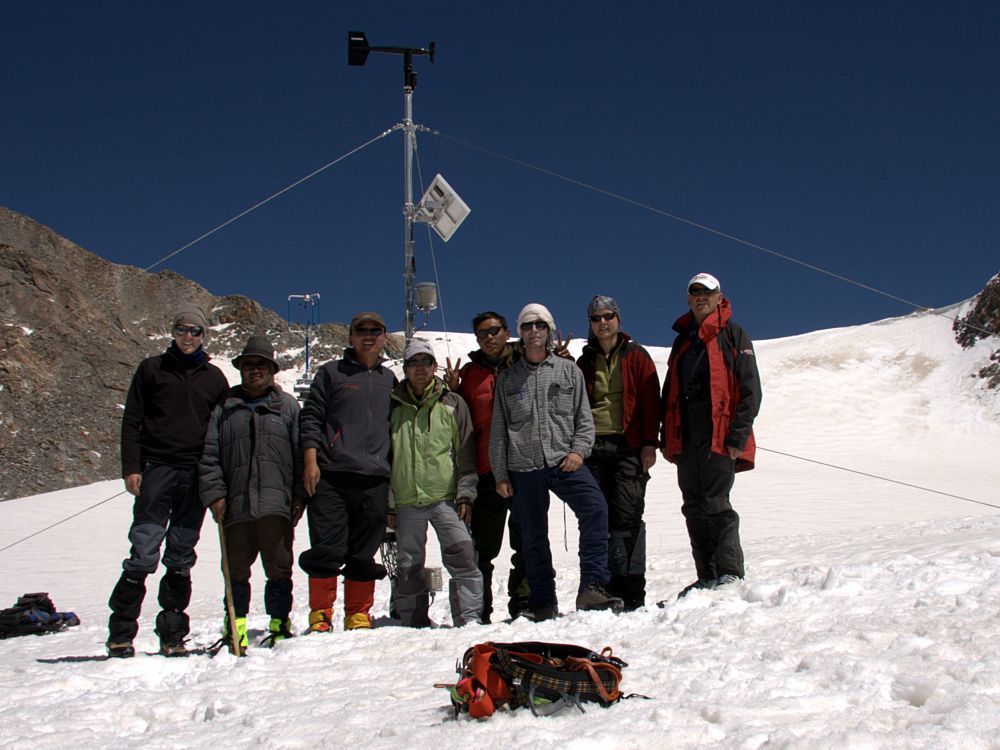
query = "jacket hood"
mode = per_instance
[
  {"x": 710, "y": 326},
  {"x": 401, "y": 392},
  {"x": 510, "y": 354}
]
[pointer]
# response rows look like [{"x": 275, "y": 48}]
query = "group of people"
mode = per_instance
[{"x": 473, "y": 451}]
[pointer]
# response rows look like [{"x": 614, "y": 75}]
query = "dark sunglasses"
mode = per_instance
[
  {"x": 700, "y": 291},
  {"x": 255, "y": 364},
  {"x": 603, "y": 316},
  {"x": 485, "y": 333},
  {"x": 424, "y": 361},
  {"x": 541, "y": 325},
  {"x": 373, "y": 331},
  {"x": 193, "y": 330}
]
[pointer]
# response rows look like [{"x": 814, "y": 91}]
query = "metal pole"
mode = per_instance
[{"x": 409, "y": 138}]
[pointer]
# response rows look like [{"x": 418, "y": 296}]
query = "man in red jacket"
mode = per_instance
[
  {"x": 475, "y": 383},
  {"x": 624, "y": 395},
  {"x": 711, "y": 397}
]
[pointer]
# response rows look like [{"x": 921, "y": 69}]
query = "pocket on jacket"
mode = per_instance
[
  {"x": 562, "y": 397},
  {"x": 332, "y": 437},
  {"x": 518, "y": 406}
]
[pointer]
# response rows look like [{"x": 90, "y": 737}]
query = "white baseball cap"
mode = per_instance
[{"x": 707, "y": 280}]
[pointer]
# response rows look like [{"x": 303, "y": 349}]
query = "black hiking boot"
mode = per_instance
[
  {"x": 699, "y": 585},
  {"x": 173, "y": 648},
  {"x": 541, "y": 614},
  {"x": 595, "y": 596},
  {"x": 120, "y": 650}
]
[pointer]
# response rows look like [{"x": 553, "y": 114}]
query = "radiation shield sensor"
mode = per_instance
[{"x": 442, "y": 208}]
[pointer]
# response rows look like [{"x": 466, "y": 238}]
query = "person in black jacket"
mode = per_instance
[
  {"x": 711, "y": 396},
  {"x": 163, "y": 428},
  {"x": 250, "y": 478},
  {"x": 344, "y": 430}
]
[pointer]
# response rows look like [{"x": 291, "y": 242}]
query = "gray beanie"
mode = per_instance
[{"x": 192, "y": 315}]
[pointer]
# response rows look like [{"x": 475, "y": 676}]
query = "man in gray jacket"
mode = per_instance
[
  {"x": 344, "y": 427},
  {"x": 542, "y": 431},
  {"x": 248, "y": 477}
]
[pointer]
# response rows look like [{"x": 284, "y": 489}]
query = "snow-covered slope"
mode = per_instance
[{"x": 869, "y": 616}]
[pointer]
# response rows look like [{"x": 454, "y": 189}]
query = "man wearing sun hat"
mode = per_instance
[
  {"x": 711, "y": 397},
  {"x": 250, "y": 478},
  {"x": 542, "y": 430},
  {"x": 344, "y": 430},
  {"x": 169, "y": 402}
]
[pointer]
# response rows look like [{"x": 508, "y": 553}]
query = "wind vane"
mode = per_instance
[{"x": 440, "y": 206}]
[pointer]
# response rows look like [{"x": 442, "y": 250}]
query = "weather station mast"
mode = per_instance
[
  {"x": 306, "y": 320},
  {"x": 440, "y": 206}
]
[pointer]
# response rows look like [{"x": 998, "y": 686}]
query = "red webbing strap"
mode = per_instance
[{"x": 588, "y": 666}]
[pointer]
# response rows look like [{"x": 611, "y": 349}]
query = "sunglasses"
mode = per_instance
[
  {"x": 424, "y": 361},
  {"x": 373, "y": 331},
  {"x": 255, "y": 364},
  {"x": 485, "y": 333},
  {"x": 541, "y": 325},
  {"x": 193, "y": 330},
  {"x": 700, "y": 291},
  {"x": 603, "y": 316}
]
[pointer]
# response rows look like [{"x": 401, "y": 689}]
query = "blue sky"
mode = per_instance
[{"x": 860, "y": 137}]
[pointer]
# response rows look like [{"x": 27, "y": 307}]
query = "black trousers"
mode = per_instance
[
  {"x": 168, "y": 508},
  {"x": 618, "y": 471},
  {"x": 705, "y": 480},
  {"x": 347, "y": 516},
  {"x": 489, "y": 517}
]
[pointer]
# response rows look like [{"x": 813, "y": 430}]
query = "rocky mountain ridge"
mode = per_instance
[{"x": 73, "y": 327}]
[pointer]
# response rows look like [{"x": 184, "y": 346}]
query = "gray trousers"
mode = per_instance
[{"x": 465, "y": 589}]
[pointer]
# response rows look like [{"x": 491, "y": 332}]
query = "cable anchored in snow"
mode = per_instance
[
  {"x": 877, "y": 476},
  {"x": 64, "y": 520}
]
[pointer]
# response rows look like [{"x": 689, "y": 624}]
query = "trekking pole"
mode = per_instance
[{"x": 234, "y": 634}]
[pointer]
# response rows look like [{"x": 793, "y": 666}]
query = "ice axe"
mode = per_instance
[{"x": 234, "y": 633}]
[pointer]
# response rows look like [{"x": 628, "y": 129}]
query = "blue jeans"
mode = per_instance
[{"x": 530, "y": 505}]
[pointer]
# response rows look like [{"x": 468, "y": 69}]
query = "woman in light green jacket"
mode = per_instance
[{"x": 433, "y": 480}]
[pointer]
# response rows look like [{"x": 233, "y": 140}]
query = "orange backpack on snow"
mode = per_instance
[{"x": 545, "y": 677}]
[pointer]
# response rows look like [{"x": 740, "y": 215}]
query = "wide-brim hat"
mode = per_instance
[{"x": 257, "y": 346}]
